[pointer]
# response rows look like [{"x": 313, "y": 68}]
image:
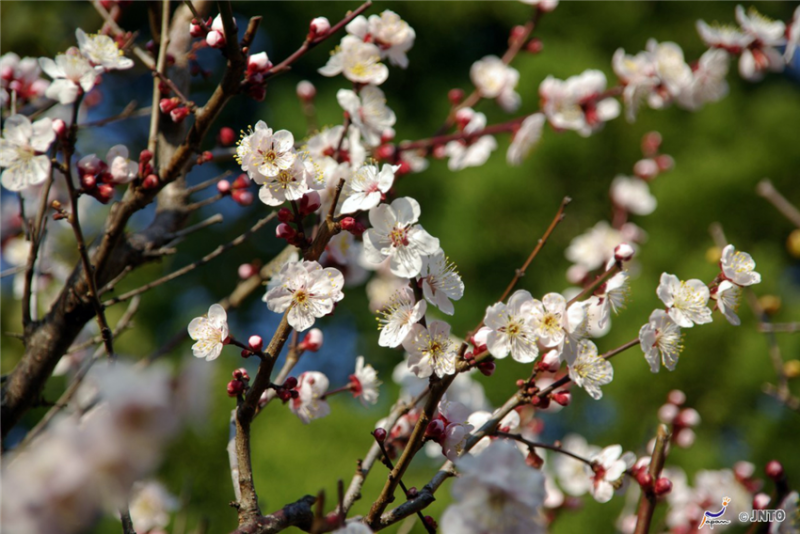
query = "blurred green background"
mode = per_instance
[{"x": 488, "y": 219}]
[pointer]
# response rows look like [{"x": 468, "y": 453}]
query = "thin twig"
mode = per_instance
[
  {"x": 536, "y": 445},
  {"x": 207, "y": 183},
  {"x": 36, "y": 234},
  {"x": 129, "y": 111},
  {"x": 205, "y": 259},
  {"x": 768, "y": 191},
  {"x": 789, "y": 328},
  {"x": 591, "y": 287},
  {"x": 647, "y": 504},
  {"x": 180, "y": 234},
  {"x": 155, "y": 111}
]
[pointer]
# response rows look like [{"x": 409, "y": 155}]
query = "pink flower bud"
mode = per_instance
[
  {"x": 623, "y": 252},
  {"x": 306, "y": 91},
  {"x": 534, "y": 46},
  {"x": 463, "y": 117},
  {"x": 743, "y": 470},
  {"x": 761, "y": 501},
  {"x": 285, "y": 215},
  {"x": 241, "y": 374},
  {"x": 646, "y": 169},
  {"x": 224, "y": 187},
  {"x": 284, "y": 231},
  {"x": 563, "y": 398},
  {"x": 258, "y": 63},
  {"x": 676, "y": 397},
  {"x": 60, "y": 127},
  {"x": 150, "y": 182},
  {"x": 241, "y": 182},
  {"x": 534, "y": 460},
  {"x": 290, "y": 383},
  {"x": 651, "y": 142},
  {"x": 226, "y": 136},
  {"x": 243, "y": 198},
  {"x": 435, "y": 430},
  {"x": 246, "y": 270},
  {"x": 665, "y": 162},
  {"x": 487, "y": 368},
  {"x": 215, "y": 39},
  {"x": 644, "y": 479},
  {"x": 662, "y": 486},
  {"x": 310, "y": 203},
  {"x": 104, "y": 193},
  {"x": 684, "y": 438},
  {"x": 235, "y": 387},
  {"x": 91, "y": 164},
  {"x": 384, "y": 152},
  {"x": 551, "y": 361},
  {"x": 255, "y": 342},
  {"x": 168, "y": 104},
  {"x": 284, "y": 394},
  {"x": 688, "y": 417},
  {"x": 439, "y": 152},
  {"x": 667, "y": 413},
  {"x": 774, "y": 470},
  {"x": 455, "y": 96},
  {"x": 88, "y": 181},
  {"x": 380, "y": 435},
  {"x": 318, "y": 27},
  {"x": 387, "y": 135},
  {"x": 195, "y": 30},
  {"x": 313, "y": 340},
  {"x": 145, "y": 156},
  {"x": 179, "y": 113},
  {"x": 517, "y": 33}
]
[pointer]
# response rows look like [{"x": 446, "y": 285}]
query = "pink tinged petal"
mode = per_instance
[{"x": 299, "y": 319}]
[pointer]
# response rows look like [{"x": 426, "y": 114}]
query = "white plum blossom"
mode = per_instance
[
  {"x": 263, "y": 154},
  {"x": 396, "y": 235},
  {"x": 399, "y": 317},
  {"x": 511, "y": 328},
  {"x": 509, "y": 423},
  {"x": 525, "y": 139},
  {"x": 123, "y": 170},
  {"x": 738, "y": 267},
  {"x": 323, "y": 146},
  {"x": 430, "y": 349},
  {"x": 440, "y": 281},
  {"x": 392, "y": 34},
  {"x": 633, "y": 194},
  {"x": 609, "y": 468},
  {"x": 364, "y": 190},
  {"x": 291, "y": 183},
  {"x": 310, "y": 403},
  {"x": 576, "y": 104},
  {"x": 307, "y": 290},
  {"x": 661, "y": 341},
  {"x": 673, "y": 73},
  {"x": 611, "y": 296},
  {"x": 593, "y": 248},
  {"x": 709, "y": 82},
  {"x": 102, "y": 51},
  {"x": 457, "y": 428},
  {"x": 358, "y": 61},
  {"x": 638, "y": 74},
  {"x": 364, "y": 382},
  {"x": 210, "y": 332},
  {"x": 547, "y": 318},
  {"x": 151, "y": 506},
  {"x": 368, "y": 112},
  {"x": 496, "y": 492},
  {"x": 22, "y": 77},
  {"x": 571, "y": 473},
  {"x": 589, "y": 370},
  {"x": 728, "y": 296},
  {"x": 22, "y": 150},
  {"x": 725, "y": 37},
  {"x": 686, "y": 300},
  {"x": 72, "y": 74},
  {"x": 761, "y": 55},
  {"x": 495, "y": 79},
  {"x": 470, "y": 153}
]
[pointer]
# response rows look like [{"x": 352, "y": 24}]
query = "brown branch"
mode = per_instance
[
  {"x": 155, "y": 110},
  {"x": 297, "y": 514},
  {"x": 768, "y": 191},
  {"x": 129, "y": 111},
  {"x": 647, "y": 504},
  {"x": 597, "y": 281},
  {"x": 36, "y": 234},
  {"x": 124, "y": 513},
  {"x": 536, "y": 445},
  {"x": 508, "y": 126}
]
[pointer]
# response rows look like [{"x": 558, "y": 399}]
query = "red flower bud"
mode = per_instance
[
  {"x": 179, "y": 114},
  {"x": 285, "y": 215},
  {"x": 150, "y": 182},
  {"x": 384, "y": 152},
  {"x": 290, "y": 383},
  {"x": 534, "y": 46},
  {"x": 246, "y": 270},
  {"x": 517, "y": 32},
  {"x": 533, "y": 459},
  {"x": 243, "y": 198},
  {"x": 380, "y": 435},
  {"x": 562, "y": 397},
  {"x": 435, "y": 430},
  {"x": 487, "y": 368},
  {"x": 88, "y": 181},
  {"x": 284, "y": 394},
  {"x": 651, "y": 142},
  {"x": 241, "y": 374},
  {"x": 235, "y": 387},
  {"x": 774, "y": 470},
  {"x": 455, "y": 96},
  {"x": 166, "y": 105},
  {"x": 241, "y": 182},
  {"x": 104, "y": 193},
  {"x": 255, "y": 342},
  {"x": 313, "y": 340},
  {"x": 644, "y": 479},
  {"x": 145, "y": 156},
  {"x": 310, "y": 203},
  {"x": 662, "y": 486},
  {"x": 226, "y": 136}
]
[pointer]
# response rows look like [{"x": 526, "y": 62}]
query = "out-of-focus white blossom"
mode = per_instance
[
  {"x": 525, "y": 139},
  {"x": 494, "y": 79},
  {"x": 392, "y": 34},
  {"x": 364, "y": 382},
  {"x": 22, "y": 150},
  {"x": 21, "y": 76},
  {"x": 571, "y": 473},
  {"x": 368, "y": 112},
  {"x": 633, "y": 194},
  {"x": 102, "y": 51},
  {"x": 440, "y": 281},
  {"x": 470, "y": 153},
  {"x": 307, "y": 290},
  {"x": 309, "y": 404},
  {"x": 577, "y": 102},
  {"x": 72, "y": 74},
  {"x": 396, "y": 235},
  {"x": 610, "y": 466},
  {"x": 761, "y": 56},
  {"x": 210, "y": 332},
  {"x": 151, "y": 506},
  {"x": 686, "y": 300},
  {"x": 595, "y": 247},
  {"x": 123, "y": 170},
  {"x": 661, "y": 341},
  {"x": 496, "y": 492}
]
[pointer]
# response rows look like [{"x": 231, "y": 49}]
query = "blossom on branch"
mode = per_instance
[
  {"x": 392, "y": 34},
  {"x": 395, "y": 235},
  {"x": 366, "y": 188},
  {"x": 465, "y": 153},
  {"x": 496, "y": 492},
  {"x": 211, "y": 332},
  {"x": 609, "y": 466},
  {"x": 512, "y": 329},
  {"x": 661, "y": 341},
  {"x": 525, "y": 139},
  {"x": 102, "y": 51},
  {"x": 22, "y": 149},
  {"x": 72, "y": 75},
  {"x": 578, "y": 103},
  {"x": 307, "y": 290},
  {"x": 728, "y": 296},
  {"x": 264, "y": 154},
  {"x": 20, "y": 76},
  {"x": 440, "y": 281},
  {"x": 738, "y": 267},
  {"x": 401, "y": 314},
  {"x": 364, "y": 382},
  {"x": 686, "y": 300},
  {"x": 309, "y": 403},
  {"x": 494, "y": 79},
  {"x": 368, "y": 112},
  {"x": 589, "y": 370},
  {"x": 430, "y": 349},
  {"x": 358, "y": 61}
]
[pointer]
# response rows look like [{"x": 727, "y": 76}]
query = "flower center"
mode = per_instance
[{"x": 399, "y": 236}]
